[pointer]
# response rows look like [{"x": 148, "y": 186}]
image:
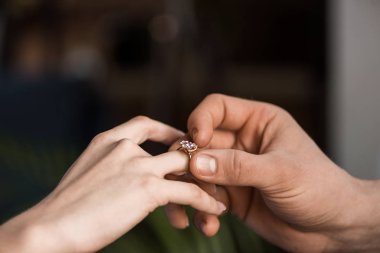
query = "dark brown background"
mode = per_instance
[{"x": 70, "y": 69}]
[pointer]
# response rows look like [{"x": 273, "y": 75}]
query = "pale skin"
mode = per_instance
[
  {"x": 273, "y": 177},
  {"x": 112, "y": 186},
  {"x": 264, "y": 168}
]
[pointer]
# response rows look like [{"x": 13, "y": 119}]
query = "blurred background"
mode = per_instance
[{"x": 71, "y": 69}]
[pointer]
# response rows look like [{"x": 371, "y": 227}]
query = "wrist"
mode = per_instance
[
  {"x": 24, "y": 233},
  {"x": 361, "y": 230}
]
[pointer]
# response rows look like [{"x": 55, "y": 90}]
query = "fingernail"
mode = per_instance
[
  {"x": 221, "y": 207},
  {"x": 206, "y": 165},
  {"x": 194, "y": 133}
]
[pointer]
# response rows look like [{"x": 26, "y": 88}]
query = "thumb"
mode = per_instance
[{"x": 234, "y": 167}]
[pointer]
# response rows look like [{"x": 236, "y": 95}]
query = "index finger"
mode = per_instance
[
  {"x": 220, "y": 111},
  {"x": 137, "y": 130},
  {"x": 141, "y": 128}
]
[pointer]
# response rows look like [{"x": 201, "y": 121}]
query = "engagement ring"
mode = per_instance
[{"x": 188, "y": 147}]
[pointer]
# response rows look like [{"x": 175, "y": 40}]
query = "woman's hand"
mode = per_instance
[
  {"x": 112, "y": 186},
  {"x": 273, "y": 177}
]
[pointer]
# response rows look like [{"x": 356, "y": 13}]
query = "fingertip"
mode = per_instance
[
  {"x": 211, "y": 227},
  {"x": 200, "y": 128},
  {"x": 180, "y": 133},
  {"x": 177, "y": 216},
  {"x": 207, "y": 224},
  {"x": 184, "y": 224},
  {"x": 202, "y": 138},
  {"x": 181, "y": 225}
]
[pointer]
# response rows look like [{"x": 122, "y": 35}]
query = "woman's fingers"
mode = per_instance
[
  {"x": 177, "y": 216},
  {"x": 118, "y": 153},
  {"x": 188, "y": 194},
  {"x": 209, "y": 224},
  {"x": 141, "y": 128},
  {"x": 167, "y": 163},
  {"x": 206, "y": 223},
  {"x": 136, "y": 130},
  {"x": 175, "y": 213}
]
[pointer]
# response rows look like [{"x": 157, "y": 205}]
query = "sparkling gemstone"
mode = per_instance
[{"x": 188, "y": 145}]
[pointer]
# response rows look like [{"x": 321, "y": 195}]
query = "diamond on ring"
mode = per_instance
[{"x": 188, "y": 147}]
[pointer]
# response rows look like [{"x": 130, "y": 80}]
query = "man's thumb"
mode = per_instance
[{"x": 232, "y": 167}]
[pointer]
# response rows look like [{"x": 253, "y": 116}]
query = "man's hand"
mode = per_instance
[{"x": 275, "y": 178}]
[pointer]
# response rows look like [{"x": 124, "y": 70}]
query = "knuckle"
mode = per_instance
[
  {"x": 138, "y": 162},
  {"x": 214, "y": 96},
  {"x": 270, "y": 109},
  {"x": 235, "y": 169},
  {"x": 125, "y": 144},
  {"x": 146, "y": 183},
  {"x": 271, "y": 112},
  {"x": 101, "y": 138},
  {"x": 281, "y": 111},
  {"x": 142, "y": 119},
  {"x": 276, "y": 110},
  {"x": 145, "y": 123}
]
